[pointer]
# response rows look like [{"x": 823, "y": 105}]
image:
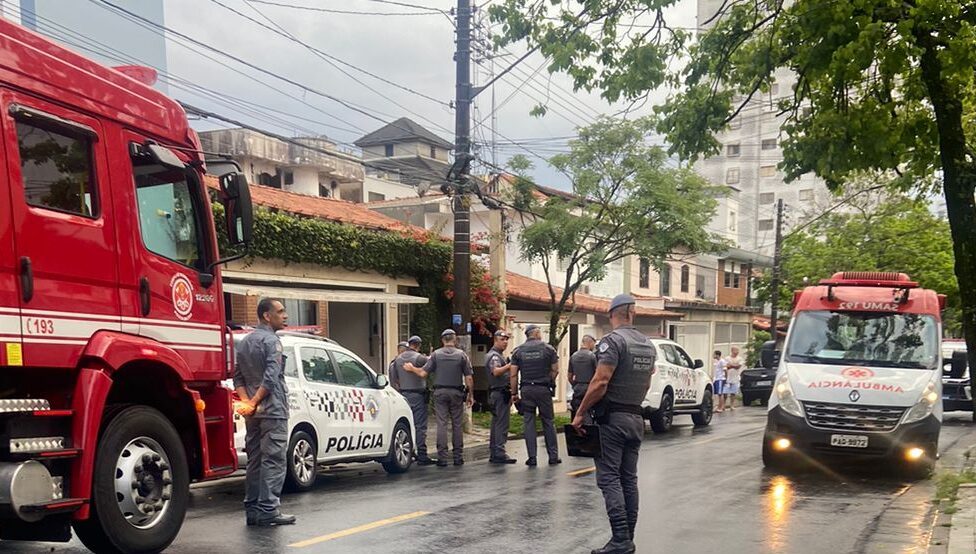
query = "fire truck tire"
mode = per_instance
[
  {"x": 663, "y": 417},
  {"x": 302, "y": 463},
  {"x": 140, "y": 484},
  {"x": 401, "y": 450}
]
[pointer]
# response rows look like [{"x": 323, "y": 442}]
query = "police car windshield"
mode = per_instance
[{"x": 875, "y": 339}]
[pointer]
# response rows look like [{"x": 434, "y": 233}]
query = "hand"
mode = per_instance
[
  {"x": 244, "y": 407},
  {"x": 578, "y": 423},
  {"x": 469, "y": 400}
]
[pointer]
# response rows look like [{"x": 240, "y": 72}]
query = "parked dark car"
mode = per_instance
[
  {"x": 757, "y": 383},
  {"x": 956, "y": 392}
]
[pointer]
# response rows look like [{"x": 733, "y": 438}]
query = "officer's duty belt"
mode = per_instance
[
  {"x": 493, "y": 389},
  {"x": 436, "y": 387},
  {"x": 581, "y": 383},
  {"x": 537, "y": 383},
  {"x": 626, "y": 408},
  {"x": 418, "y": 391}
]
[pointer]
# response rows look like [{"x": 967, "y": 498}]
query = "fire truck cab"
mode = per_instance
[
  {"x": 112, "y": 334},
  {"x": 860, "y": 375}
]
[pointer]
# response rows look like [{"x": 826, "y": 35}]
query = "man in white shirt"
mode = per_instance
[{"x": 733, "y": 373}]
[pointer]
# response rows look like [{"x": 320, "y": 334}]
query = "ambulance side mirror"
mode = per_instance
[{"x": 382, "y": 381}]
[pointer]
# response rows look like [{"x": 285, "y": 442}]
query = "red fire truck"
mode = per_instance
[{"x": 111, "y": 311}]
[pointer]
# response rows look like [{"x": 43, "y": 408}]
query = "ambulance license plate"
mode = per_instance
[
  {"x": 849, "y": 441},
  {"x": 764, "y": 383}
]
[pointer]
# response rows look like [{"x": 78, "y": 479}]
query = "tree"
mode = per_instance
[
  {"x": 625, "y": 202},
  {"x": 881, "y": 85}
]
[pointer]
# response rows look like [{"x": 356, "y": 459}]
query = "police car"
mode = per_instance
[
  {"x": 340, "y": 411},
  {"x": 679, "y": 386}
]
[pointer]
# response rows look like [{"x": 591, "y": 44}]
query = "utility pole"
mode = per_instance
[
  {"x": 777, "y": 262},
  {"x": 461, "y": 317}
]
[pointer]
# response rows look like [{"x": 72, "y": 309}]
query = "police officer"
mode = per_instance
[
  {"x": 401, "y": 348},
  {"x": 260, "y": 382},
  {"x": 499, "y": 398},
  {"x": 539, "y": 364},
  {"x": 582, "y": 366},
  {"x": 414, "y": 390},
  {"x": 625, "y": 361},
  {"x": 453, "y": 377}
]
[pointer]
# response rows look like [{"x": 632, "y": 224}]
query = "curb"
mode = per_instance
[{"x": 942, "y": 527}]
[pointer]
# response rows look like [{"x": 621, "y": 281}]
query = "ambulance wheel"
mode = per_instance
[
  {"x": 302, "y": 464},
  {"x": 662, "y": 419},
  {"x": 401, "y": 450},
  {"x": 140, "y": 484},
  {"x": 704, "y": 416}
]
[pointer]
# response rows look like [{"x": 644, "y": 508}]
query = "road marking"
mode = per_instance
[
  {"x": 359, "y": 529},
  {"x": 579, "y": 472},
  {"x": 736, "y": 436}
]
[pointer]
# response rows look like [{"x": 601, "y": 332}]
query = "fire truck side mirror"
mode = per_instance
[{"x": 238, "y": 210}]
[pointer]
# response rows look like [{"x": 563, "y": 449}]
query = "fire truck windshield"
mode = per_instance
[{"x": 874, "y": 339}]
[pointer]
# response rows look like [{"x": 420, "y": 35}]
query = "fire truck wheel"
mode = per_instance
[
  {"x": 401, "y": 450},
  {"x": 140, "y": 484},
  {"x": 302, "y": 466}
]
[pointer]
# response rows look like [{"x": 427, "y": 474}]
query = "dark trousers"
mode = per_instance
[
  {"x": 418, "y": 405},
  {"x": 579, "y": 391},
  {"x": 537, "y": 397},
  {"x": 449, "y": 406},
  {"x": 266, "y": 441},
  {"x": 616, "y": 466},
  {"x": 500, "y": 416}
]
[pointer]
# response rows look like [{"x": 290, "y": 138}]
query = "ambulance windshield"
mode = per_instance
[{"x": 871, "y": 339}]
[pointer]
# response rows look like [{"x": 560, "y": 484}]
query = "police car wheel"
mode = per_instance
[
  {"x": 704, "y": 416},
  {"x": 140, "y": 485},
  {"x": 401, "y": 450},
  {"x": 302, "y": 463},
  {"x": 662, "y": 419}
]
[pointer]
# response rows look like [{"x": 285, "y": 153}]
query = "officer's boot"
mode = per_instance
[{"x": 620, "y": 542}]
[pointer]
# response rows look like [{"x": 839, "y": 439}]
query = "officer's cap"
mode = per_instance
[
  {"x": 531, "y": 327},
  {"x": 415, "y": 340},
  {"x": 447, "y": 333},
  {"x": 621, "y": 300},
  {"x": 402, "y": 345},
  {"x": 589, "y": 336},
  {"x": 501, "y": 333}
]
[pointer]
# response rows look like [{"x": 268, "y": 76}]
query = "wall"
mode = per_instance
[
  {"x": 421, "y": 149},
  {"x": 732, "y": 296},
  {"x": 389, "y": 189}
]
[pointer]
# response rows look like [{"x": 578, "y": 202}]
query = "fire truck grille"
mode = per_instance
[{"x": 846, "y": 417}]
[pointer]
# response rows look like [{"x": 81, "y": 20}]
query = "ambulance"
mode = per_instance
[{"x": 860, "y": 375}]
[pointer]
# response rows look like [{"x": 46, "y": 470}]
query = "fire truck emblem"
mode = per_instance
[
  {"x": 182, "y": 296},
  {"x": 857, "y": 373}
]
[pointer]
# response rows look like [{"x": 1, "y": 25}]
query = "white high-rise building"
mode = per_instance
[{"x": 748, "y": 166}]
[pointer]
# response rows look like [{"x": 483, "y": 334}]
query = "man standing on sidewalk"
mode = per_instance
[
  {"x": 582, "y": 367},
  {"x": 539, "y": 365},
  {"x": 453, "y": 377},
  {"x": 260, "y": 382},
  {"x": 499, "y": 398},
  {"x": 414, "y": 391}
]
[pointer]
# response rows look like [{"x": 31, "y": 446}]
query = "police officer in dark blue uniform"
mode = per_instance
[
  {"x": 625, "y": 361},
  {"x": 414, "y": 390},
  {"x": 260, "y": 382},
  {"x": 538, "y": 364},
  {"x": 499, "y": 398}
]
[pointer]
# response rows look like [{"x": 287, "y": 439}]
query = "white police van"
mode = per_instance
[
  {"x": 679, "y": 386},
  {"x": 340, "y": 411}
]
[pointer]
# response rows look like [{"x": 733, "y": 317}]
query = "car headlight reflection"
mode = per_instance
[
  {"x": 784, "y": 394},
  {"x": 926, "y": 403}
]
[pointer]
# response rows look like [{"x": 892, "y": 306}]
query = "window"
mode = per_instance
[
  {"x": 769, "y": 144},
  {"x": 57, "y": 169},
  {"x": 289, "y": 178},
  {"x": 318, "y": 367},
  {"x": 732, "y": 176},
  {"x": 351, "y": 372},
  {"x": 168, "y": 219},
  {"x": 324, "y": 191},
  {"x": 433, "y": 152},
  {"x": 670, "y": 355},
  {"x": 388, "y": 150},
  {"x": 767, "y": 197},
  {"x": 735, "y": 123},
  {"x": 301, "y": 312},
  {"x": 806, "y": 195},
  {"x": 683, "y": 357},
  {"x": 376, "y": 197},
  {"x": 644, "y": 279},
  {"x": 685, "y": 278},
  {"x": 732, "y": 221},
  {"x": 767, "y": 171},
  {"x": 291, "y": 370},
  {"x": 732, "y": 150},
  {"x": 766, "y": 224},
  {"x": 731, "y": 276},
  {"x": 666, "y": 281}
]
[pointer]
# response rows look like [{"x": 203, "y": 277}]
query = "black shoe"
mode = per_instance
[
  {"x": 252, "y": 520},
  {"x": 615, "y": 546},
  {"x": 459, "y": 462},
  {"x": 425, "y": 461},
  {"x": 505, "y": 460},
  {"x": 555, "y": 461},
  {"x": 441, "y": 463},
  {"x": 531, "y": 462},
  {"x": 280, "y": 519}
]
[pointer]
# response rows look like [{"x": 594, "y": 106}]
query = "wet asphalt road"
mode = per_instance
[{"x": 703, "y": 490}]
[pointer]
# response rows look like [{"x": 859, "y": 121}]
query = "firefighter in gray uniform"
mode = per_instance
[
  {"x": 260, "y": 382},
  {"x": 413, "y": 387},
  {"x": 499, "y": 398},
  {"x": 538, "y": 364},
  {"x": 453, "y": 386},
  {"x": 582, "y": 367},
  {"x": 625, "y": 362}
]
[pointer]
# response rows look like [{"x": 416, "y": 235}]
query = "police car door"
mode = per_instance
[
  {"x": 694, "y": 376},
  {"x": 320, "y": 389},
  {"x": 680, "y": 374},
  {"x": 368, "y": 408}
]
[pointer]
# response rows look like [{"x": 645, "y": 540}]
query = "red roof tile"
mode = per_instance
[{"x": 523, "y": 288}]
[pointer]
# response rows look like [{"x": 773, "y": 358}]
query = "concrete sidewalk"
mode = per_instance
[{"x": 955, "y": 532}]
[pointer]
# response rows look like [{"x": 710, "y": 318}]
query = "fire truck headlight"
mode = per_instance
[
  {"x": 926, "y": 403},
  {"x": 784, "y": 394}
]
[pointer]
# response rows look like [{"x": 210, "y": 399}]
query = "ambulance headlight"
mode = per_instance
[
  {"x": 926, "y": 403},
  {"x": 784, "y": 395}
]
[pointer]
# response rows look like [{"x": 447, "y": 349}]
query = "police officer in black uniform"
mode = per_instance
[
  {"x": 453, "y": 386},
  {"x": 414, "y": 390},
  {"x": 499, "y": 398},
  {"x": 625, "y": 361},
  {"x": 259, "y": 378},
  {"x": 539, "y": 364},
  {"x": 582, "y": 367}
]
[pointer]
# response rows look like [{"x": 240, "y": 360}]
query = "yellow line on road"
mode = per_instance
[
  {"x": 579, "y": 472},
  {"x": 360, "y": 529}
]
